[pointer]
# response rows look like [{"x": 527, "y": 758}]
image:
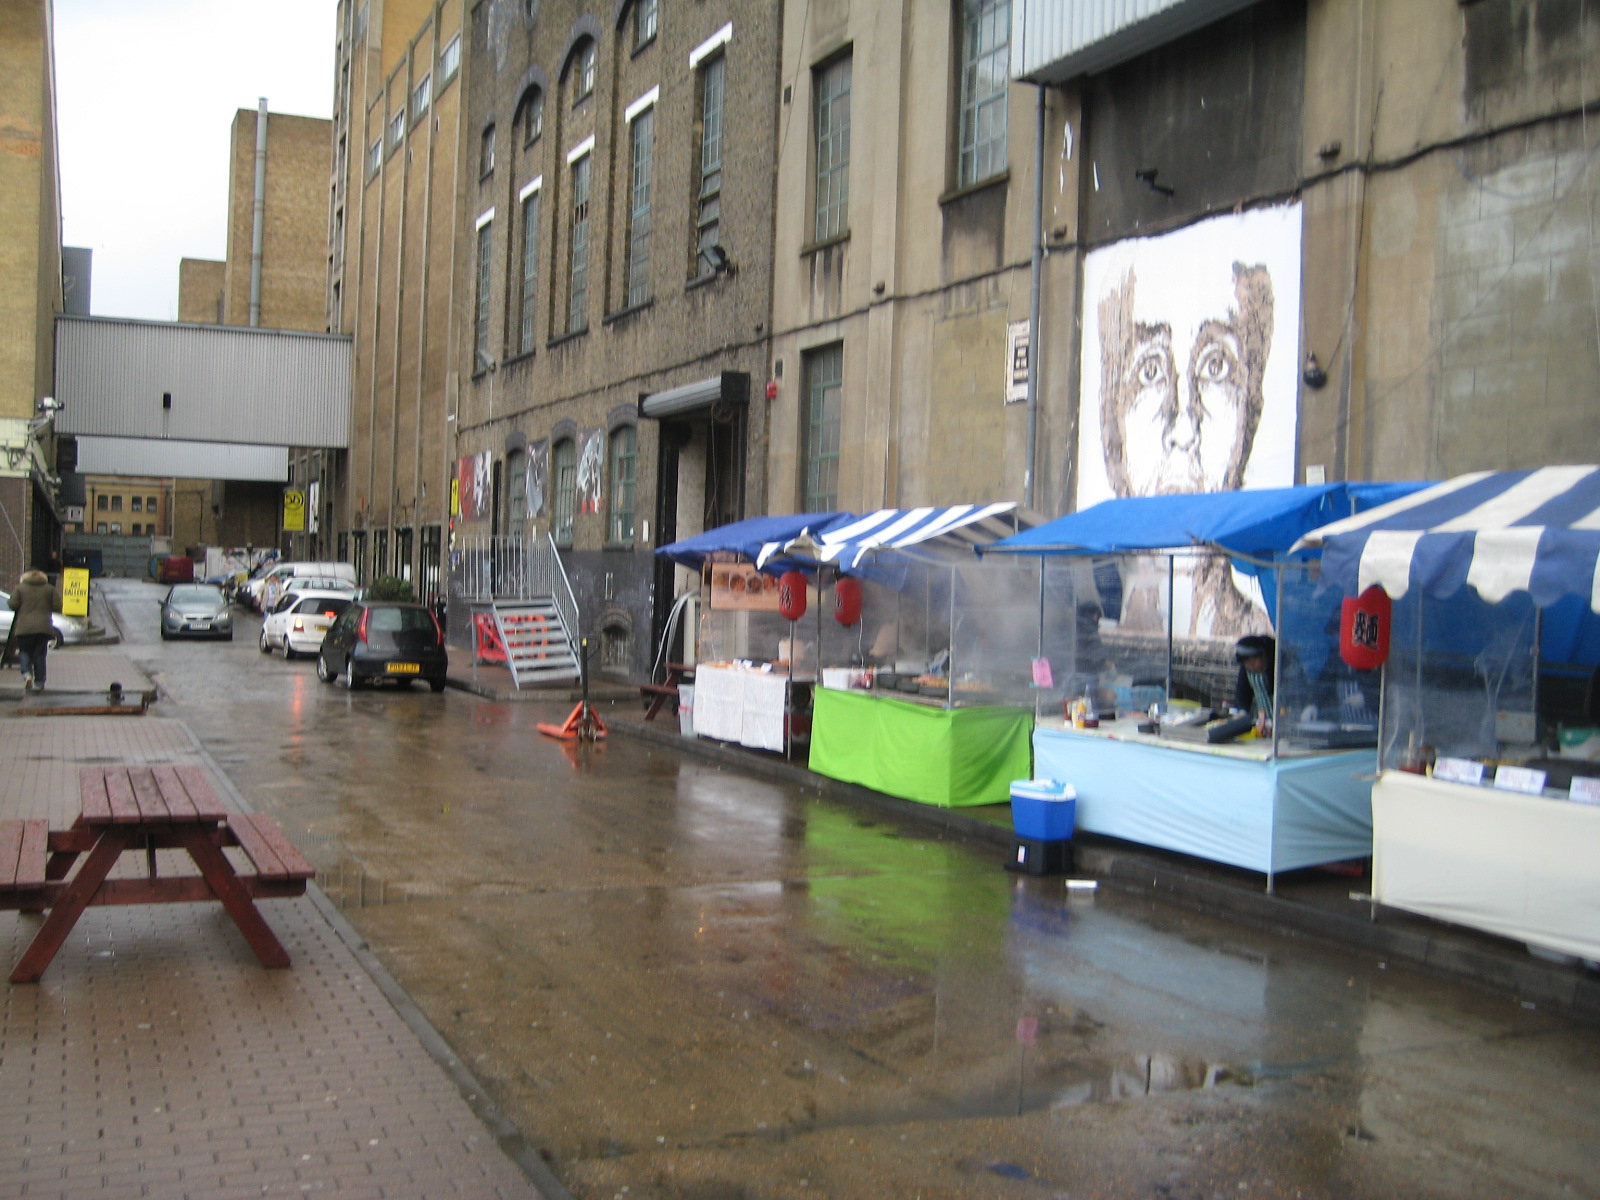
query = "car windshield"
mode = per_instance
[
  {"x": 395, "y": 620},
  {"x": 194, "y": 595}
]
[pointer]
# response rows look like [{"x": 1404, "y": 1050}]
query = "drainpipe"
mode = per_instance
[
  {"x": 1037, "y": 272},
  {"x": 259, "y": 220}
]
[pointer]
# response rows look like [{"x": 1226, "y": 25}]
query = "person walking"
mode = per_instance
[{"x": 33, "y": 602}]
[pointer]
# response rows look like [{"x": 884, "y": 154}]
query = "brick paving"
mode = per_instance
[{"x": 158, "y": 1058}]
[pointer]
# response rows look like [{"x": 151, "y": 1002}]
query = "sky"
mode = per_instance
[{"x": 146, "y": 91}]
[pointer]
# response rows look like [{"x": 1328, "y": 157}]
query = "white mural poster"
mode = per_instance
[{"x": 1191, "y": 374}]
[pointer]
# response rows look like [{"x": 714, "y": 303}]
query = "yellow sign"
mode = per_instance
[
  {"x": 75, "y": 592},
  {"x": 294, "y": 510},
  {"x": 455, "y": 496}
]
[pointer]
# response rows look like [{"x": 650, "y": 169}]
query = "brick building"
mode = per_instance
[{"x": 30, "y": 286}]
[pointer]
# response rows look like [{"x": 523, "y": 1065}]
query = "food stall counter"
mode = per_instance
[
  {"x": 746, "y": 705},
  {"x": 926, "y": 752},
  {"x": 1232, "y": 803}
]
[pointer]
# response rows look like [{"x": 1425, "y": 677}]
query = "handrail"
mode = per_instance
[{"x": 566, "y": 604}]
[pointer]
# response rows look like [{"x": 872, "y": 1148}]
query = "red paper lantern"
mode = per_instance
[
  {"x": 1364, "y": 629},
  {"x": 792, "y": 595},
  {"x": 847, "y": 601}
]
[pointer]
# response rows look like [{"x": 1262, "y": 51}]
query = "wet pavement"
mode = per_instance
[{"x": 681, "y": 979}]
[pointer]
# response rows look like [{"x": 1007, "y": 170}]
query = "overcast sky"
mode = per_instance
[{"x": 146, "y": 91}]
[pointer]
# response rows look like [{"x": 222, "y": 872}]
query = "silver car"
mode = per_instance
[
  {"x": 196, "y": 610},
  {"x": 64, "y": 630}
]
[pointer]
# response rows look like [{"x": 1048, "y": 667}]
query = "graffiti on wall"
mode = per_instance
[
  {"x": 473, "y": 473},
  {"x": 538, "y": 476},
  {"x": 1190, "y": 377},
  {"x": 591, "y": 464}
]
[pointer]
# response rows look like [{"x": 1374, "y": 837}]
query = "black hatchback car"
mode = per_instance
[{"x": 376, "y": 640}]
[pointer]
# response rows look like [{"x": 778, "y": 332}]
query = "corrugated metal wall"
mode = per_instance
[
  {"x": 1056, "y": 39},
  {"x": 175, "y": 459},
  {"x": 227, "y": 384}
]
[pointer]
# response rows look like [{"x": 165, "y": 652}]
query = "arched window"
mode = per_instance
[
  {"x": 624, "y": 458},
  {"x": 530, "y": 116},
  {"x": 583, "y": 65},
  {"x": 564, "y": 469},
  {"x": 486, "y": 152}
]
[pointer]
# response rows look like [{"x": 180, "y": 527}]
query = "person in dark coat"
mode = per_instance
[
  {"x": 1253, "y": 691},
  {"x": 33, "y": 602}
]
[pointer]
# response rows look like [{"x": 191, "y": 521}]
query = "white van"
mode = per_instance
[{"x": 261, "y": 593}]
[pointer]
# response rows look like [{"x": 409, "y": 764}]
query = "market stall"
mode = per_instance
[
  {"x": 1169, "y": 583},
  {"x": 924, "y": 660},
  {"x": 1486, "y": 811}
]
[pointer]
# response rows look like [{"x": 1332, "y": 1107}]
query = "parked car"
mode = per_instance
[
  {"x": 301, "y": 619},
  {"x": 196, "y": 610},
  {"x": 264, "y": 591},
  {"x": 376, "y": 640},
  {"x": 64, "y": 630}
]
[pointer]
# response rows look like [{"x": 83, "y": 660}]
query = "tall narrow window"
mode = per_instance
[
  {"x": 709, "y": 218},
  {"x": 402, "y": 554},
  {"x": 374, "y": 157},
  {"x": 530, "y": 271},
  {"x": 486, "y": 152},
  {"x": 578, "y": 289},
  {"x": 644, "y": 140},
  {"x": 824, "y": 377},
  {"x": 583, "y": 84},
  {"x": 420, "y": 99},
  {"x": 450, "y": 61},
  {"x": 564, "y": 495},
  {"x": 380, "y": 552},
  {"x": 481, "y": 311},
  {"x": 516, "y": 490},
  {"x": 985, "y": 71},
  {"x": 832, "y": 84},
  {"x": 531, "y": 116},
  {"x": 645, "y": 15},
  {"x": 624, "y": 454},
  {"x": 397, "y": 129}
]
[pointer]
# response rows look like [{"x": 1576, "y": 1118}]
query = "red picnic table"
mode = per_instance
[{"x": 131, "y": 809}]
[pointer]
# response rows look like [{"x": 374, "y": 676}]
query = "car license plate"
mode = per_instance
[
  {"x": 199, "y": 624},
  {"x": 403, "y": 668}
]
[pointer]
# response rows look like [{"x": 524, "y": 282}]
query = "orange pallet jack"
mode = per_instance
[{"x": 583, "y": 724}]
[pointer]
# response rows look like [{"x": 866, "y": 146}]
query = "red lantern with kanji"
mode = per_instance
[
  {"x": 1364, "y": 629},
  {"x": 792, "y": 595},
  {"x": 847, "y": 601}
]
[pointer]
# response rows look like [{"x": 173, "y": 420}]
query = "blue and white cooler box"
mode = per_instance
[{"x": 1043, "y": 812}]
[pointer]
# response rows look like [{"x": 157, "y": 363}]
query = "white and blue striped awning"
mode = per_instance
[
  {"x": 932, "y": 535},
  {"x": 1497, "y": 532}
]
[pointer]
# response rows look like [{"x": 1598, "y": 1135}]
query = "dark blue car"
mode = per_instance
[{"x": 378, "y": 640}]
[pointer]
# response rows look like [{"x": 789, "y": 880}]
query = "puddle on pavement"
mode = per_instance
[{"x": 348, "y": 885}]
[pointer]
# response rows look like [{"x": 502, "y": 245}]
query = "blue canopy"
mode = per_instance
[
  {"x": 895, "y": 535},
  {"x": 745, "y": 538},
  {"x": 1260, "y": 524}
]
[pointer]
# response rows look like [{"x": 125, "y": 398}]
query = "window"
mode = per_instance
[
  {"x": 420, "y": 99},
  {"x": 564, "y": 469},
  {"x": 583, "y": 83},
  {"x": 431, "y": 536},
  {"x": 137, "y": 527},
  {"x": 530, "y": 114},
  {"x": 116, "y": 504},
  {"x": 402, "y": 554},
  {"x": 819, "y": 431},
  {"x": 709, "y": 217},
  {"x": 530, "y": 272},
  {"x": 397, "y": 129},
  {"x": 985, "y": 67},
  {"x": 644, "y": 139},
  {"x": 578, "y": 288},
  {"x": 624, "y": 443},
  {"x": 646, "y": 13},
  {"x": 102, "y": 502},
  {"x": 380, "y": 552},
  {"x": 116, "y": 527},
  {"x": 375, "y": 157},
  {"x": 481, "y": 311},
  {"x": 137, "y": 503},
  {"x": 450, "y": 60},
  {"x": 149, "y": 505},
  {"x": 486, "y": 153},
  {"x": 516, "y": 488},
  {"x": 358, "y": 555},
  {"x": 832, "y": 90},
  {"x": 100, "y": 528}
]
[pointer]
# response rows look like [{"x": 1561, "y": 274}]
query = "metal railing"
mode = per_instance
[{"x": 485, "y": 569}]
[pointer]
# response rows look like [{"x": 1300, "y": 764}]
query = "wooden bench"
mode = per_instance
[
  {"x": 656, "y": 694},
  {"x": 134, "y": 810}
]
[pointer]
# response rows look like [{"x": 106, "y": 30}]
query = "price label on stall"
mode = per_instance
[
  {"x": 1520, "y": 779},
  {"x": 1585, "y": 789},
  {"x": 1458, "y": 770}
]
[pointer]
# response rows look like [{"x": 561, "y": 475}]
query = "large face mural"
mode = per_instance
[{"x": 1190, "y": 373}]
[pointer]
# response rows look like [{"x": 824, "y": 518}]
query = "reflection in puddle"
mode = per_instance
[
  {"x": 349, "y": 886},
  {"x": 1148, "y": 1076}
]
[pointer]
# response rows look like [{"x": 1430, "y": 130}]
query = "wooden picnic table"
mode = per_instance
[
  {"x": 131, "y": 809},
  {"x": 657, "y": 694}
]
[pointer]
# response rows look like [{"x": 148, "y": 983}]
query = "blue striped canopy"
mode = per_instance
[
  {"x": 930, "y": 535},
  {"x": 744, "y": 539},
  {"x": 1497, "y": 532}
]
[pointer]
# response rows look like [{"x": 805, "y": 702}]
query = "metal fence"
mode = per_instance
[{"x": 485, "y": 570}]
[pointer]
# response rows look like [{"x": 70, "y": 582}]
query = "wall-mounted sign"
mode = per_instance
[
  {"x": 1017, "y": 353},
  {"x": 294, "y": 510}
]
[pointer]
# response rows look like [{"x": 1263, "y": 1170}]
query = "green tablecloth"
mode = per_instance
[{"x": 949, "y": 757}]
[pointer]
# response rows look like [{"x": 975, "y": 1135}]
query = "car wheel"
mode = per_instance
[
  {"x": 266, "y": 647},
  {"x": 165, "y": 636},
  {"x": 351, "y": 683},
  {"x": 288, "y": 651},
  {"x": 56, "y": 639},
  {"x": 325, "y": 672},
  {"x": 437, "y": 685}
]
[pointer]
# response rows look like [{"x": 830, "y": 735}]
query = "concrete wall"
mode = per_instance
[{"x": 200, "y": 284}]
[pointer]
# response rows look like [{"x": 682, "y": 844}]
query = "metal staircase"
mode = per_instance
[{"x": 535, "y": 641}]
